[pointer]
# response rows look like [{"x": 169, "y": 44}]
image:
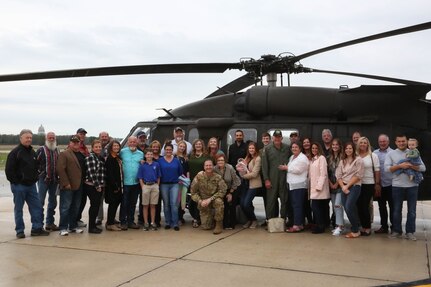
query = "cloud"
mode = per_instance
[{"x": 60, "y": 35}]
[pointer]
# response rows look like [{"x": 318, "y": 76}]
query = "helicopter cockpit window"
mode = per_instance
[
  {"x": 249, "y": 135},
  {"x": 193, "y": 135},
  {"x": 286, "y": 134}
]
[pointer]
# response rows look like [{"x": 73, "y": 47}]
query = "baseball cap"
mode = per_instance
[
  {"x": 81, "y": 130},
  {"x": 277, "y": 133},
  {"x": 293, "y": 134},
  {"x": 74, "y": 139},
  {"x": 178, "y": 129},
  {"x": 141, "y": 133}
]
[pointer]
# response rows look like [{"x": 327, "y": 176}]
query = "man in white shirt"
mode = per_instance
[
  {"x": 178, "y": 136},
  {"x": 386, "y": 183}
]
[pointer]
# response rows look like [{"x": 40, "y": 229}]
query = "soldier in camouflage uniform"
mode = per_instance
[{"x": 208, "y": 190}]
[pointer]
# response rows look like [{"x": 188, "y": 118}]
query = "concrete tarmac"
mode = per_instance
[{"x": 193, "y": 257}]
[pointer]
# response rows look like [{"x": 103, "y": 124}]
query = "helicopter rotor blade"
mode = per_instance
[
  {"x": 271, "y": 64},
  {"x": 236, "y": 85},
  {"x": 405, "y": 30},
  {"x": 124, "y": 70},
  {"x": 374, "y": 77}
]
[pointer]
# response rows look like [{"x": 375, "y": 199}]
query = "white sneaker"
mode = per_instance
[
  {"x": 247, "y": 225},
  {"x": 410, "y": 236},
  {"x": 76, "y": 230},
  {"x": 253, "y": 224},
  {"x": 64, "y": 232},
  {"x": 80, "y": 223},
  {"x": 395, "y": 235},
  {"x": 337, "y": 231}
]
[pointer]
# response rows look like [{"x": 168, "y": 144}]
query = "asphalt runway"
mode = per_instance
[{"x": 193, "y": 257}]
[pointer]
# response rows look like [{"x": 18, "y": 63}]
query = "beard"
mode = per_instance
[
  {"x": 132, "y": 148},
  {"x": 51, "y": 145}
]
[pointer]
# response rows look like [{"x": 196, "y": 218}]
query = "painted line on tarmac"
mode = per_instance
[
  {"x": 295, "y": 270},
  {"x": 419, "y": 283}
]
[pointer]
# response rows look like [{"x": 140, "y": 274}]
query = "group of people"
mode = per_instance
[
  {"x": 351, "y": 176},
  {"x": 304, "y": 176}
]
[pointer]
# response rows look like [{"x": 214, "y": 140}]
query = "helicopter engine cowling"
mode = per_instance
[
  {"x": 331, "y": 104},
  {"x": 261, "y": 101}
]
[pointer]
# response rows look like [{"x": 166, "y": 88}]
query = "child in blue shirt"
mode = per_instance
[{"x": 149, "y": 179}]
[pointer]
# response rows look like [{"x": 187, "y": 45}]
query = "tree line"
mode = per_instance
[{"x": 38, "y": 139}]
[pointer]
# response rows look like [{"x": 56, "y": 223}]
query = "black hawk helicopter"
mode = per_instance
[{"x": 370, "y": 109}]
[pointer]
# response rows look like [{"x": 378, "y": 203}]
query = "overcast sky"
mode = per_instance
[{"x": 55, "y": 35}]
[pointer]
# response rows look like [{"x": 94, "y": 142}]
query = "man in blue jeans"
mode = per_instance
[
  {"x": 22, "y": 173},
  {"x": 403, "y": 187},
  {"x": 70, "y": 167},
  {"x": 386, "y": 183},
  {"x": 131, "y": 158},
  {"x": 47, "y": 156}
]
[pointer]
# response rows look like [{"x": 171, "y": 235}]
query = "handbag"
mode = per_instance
[{"x": 276, "y": 224}]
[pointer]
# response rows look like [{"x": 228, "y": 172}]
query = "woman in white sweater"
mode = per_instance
[
  {"x": 370, "y": 183},
  {"x": 297, "y": 171}
]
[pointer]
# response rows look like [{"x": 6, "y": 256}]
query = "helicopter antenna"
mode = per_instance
[{"x": 168, "y": 112}]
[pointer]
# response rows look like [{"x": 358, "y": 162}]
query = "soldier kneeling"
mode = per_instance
[{"x": 208, "y": 190}]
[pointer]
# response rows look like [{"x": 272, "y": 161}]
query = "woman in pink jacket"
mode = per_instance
[{"x": 319, "y": 187}]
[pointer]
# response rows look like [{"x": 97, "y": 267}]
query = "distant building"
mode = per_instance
[{"x": 41, "y": 130}]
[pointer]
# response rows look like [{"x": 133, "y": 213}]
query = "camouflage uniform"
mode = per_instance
[{"x": 213, "y": 187}]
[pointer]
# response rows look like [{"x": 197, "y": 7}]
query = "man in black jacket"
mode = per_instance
[
  {"x": 238, "y": 149},
  {"x": 22, "y": 172}
]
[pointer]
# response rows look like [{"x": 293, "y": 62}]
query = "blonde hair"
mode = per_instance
[
  {"x": 368, "y": 143},
  {"x": 414, "y": 140},
  {"x": 157, "y": 143},
  {"x": 184, "y": 153},
  {"x": 204, "y": 150},
  {"x": 208, "y": 145}
]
